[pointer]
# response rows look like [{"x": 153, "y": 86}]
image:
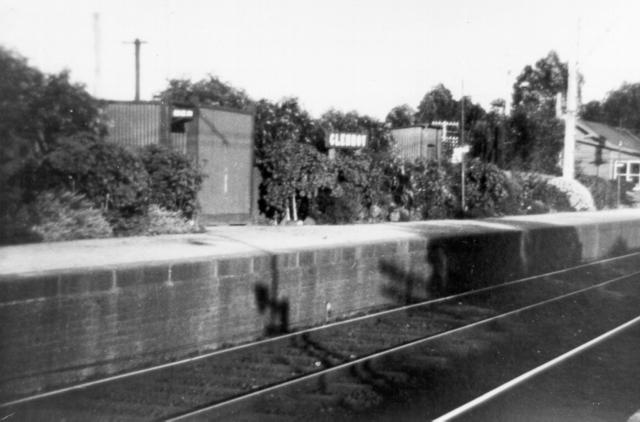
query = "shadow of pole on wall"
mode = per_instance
[
  {"x": 268, "y": 302},
  {"x": 475, "y": 259},
  {"x": 267, "y": 295}
]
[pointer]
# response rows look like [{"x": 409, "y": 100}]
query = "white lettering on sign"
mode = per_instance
[
  {"x": 347, "y": 140},
  {"x": 182, "y": 112}
]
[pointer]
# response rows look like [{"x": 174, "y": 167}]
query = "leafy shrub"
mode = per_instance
[
  {"x": 605, "y": 192},
  {"x": 174, "y": 180},
  {"x": 579, "y": 197},
  {"x": 62, "y": 215},
  {"x": 110, "y": 176},
  {"x": 162, "y": 221},
  {"x": 346, "y": 191},
  {"x": 431, "y": 188},
  {"x": 549, "y": 198},
  {"x": 488, "y": 190},
  {"x": 538, "y": 196},
  {"x": 341, "y": 205}
]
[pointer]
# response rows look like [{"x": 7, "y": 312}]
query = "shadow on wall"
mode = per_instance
[
  {"x": 477, "y": 257},
  {"x": 268, "y": 302},
  {"x": 462, "y": 262}
]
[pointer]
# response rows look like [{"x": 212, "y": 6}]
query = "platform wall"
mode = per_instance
[{"x": 62, "y": 327}]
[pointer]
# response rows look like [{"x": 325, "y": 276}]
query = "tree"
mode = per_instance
[
  {"x": 592, "y": 111},
  {"x": 620, "y": 108},
  {"x": 487, "y": 137},
  {"x": 37, "y": 109},
  {"x": 291, "y": 166},
  {"x": 536, "y": 87},
  {"x": 379, "y": 139},
  {"x": 536, "y": 135},
  {"x": 210, "y": 91},
  {"x": 401, "y": 116},
  {"x": 437, "y": 104}
]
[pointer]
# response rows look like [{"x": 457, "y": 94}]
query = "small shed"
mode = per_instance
[
  {"x": 219, "y": 139},
  {"x": 417, "y": 142}
]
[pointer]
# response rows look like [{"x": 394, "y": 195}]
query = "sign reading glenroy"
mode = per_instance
[{"x": 347, "y": 140}]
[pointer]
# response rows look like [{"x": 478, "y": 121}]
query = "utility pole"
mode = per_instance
[
  {"x": 616, "y": 172},
  {"x": 568, "y": 163},
  {"x": 137, "y": 42},
  {"x": 462, "y": 170},
  {"x": 97, "y": 54}
]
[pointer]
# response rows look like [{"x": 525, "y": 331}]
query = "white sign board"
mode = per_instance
[
  {"x": 182, "y": 112},
  {"x": 347, "y": 140},
  {"x": 458, "y": 154}
]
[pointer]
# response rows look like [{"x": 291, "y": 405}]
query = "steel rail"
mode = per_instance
[
  {"x": 390, "y": 350},
  {"x": 533, "y": 372}
]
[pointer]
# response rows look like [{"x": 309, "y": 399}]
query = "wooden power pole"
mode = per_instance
[
  {"x": 568, "y": 162},
  {"x": 137, "y": 42}
]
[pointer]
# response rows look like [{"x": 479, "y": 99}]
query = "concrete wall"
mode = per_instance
[{"x": 61, "y": 327}]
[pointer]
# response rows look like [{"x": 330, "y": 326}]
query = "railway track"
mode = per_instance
[{"x": 448, "y": 350}]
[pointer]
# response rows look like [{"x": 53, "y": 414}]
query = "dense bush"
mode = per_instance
[
  {"x": 110, "y": 176},
  {"x": 605, "y": 192},
  {"x": 578, "y": 195},
  {"x": 162, "y": 221},
  {"x": 174, "y": 180},
  {"x": 538, "y": 196},
  {"x": 344, "y": 195},
  {"x": 488, "y": 190},
  {"x": 429, "y": 190},
  {"x": 62, "y": 215}
]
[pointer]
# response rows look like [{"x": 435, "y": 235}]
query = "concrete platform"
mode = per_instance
[{"x": 231, "y": 241}]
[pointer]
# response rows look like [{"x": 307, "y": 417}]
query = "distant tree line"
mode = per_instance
[{"x": 46, "y": 120}]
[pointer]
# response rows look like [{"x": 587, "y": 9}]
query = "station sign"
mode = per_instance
[
  {"x": 458, "y": 154},
  {"x": 182, "y": 113},
  {"x": 346, "y": 140}
]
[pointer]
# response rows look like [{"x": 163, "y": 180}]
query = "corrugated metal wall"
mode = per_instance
[
  {"x": 416, "y": 142},
  {"x": 225, "y": 153},
  {"x": 135, "y": 124},
  {"x": 221, "y": 140},
  {"x": 179, "y": 142}
]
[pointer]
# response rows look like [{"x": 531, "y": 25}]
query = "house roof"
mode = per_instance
[{"x": 614, "y": 138}]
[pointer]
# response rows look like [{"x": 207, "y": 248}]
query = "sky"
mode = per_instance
[{"x": 363, "y": 55}]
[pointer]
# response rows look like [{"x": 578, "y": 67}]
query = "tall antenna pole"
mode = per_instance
[
  {"x": 462, "y": 170},
  {"x": 96, "y": 50},
  {"x": 568, "y": 163},
  {"x": 137, "y": 42}
]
